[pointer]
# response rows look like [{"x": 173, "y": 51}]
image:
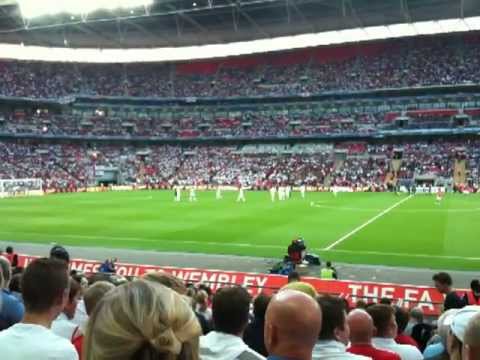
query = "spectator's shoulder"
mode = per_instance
[
  {"x": 250, "y": 354},
  {"x": 63, "y": 348}
]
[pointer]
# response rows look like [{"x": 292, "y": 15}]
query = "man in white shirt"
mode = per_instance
[
  {"x": 218, "y": 193},
  {"x": 334, "y": 336},
  {"x": 63, "y": 325},
  {"x": 384, "y": 320},
  {"x": 230, "y": 312},
  {"x": 45, "y": 289},
  {"x": 192, "y": 195},
  {"x": 241, "y": 194},
  {"x": 302, "y": 191},
  {"x": 273, "y": 192}
]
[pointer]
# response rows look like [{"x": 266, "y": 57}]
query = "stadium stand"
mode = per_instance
[
  {"x": 69, "y": 167},
  {"x": 400, "y": 63},
  {"x": 368, "y": 117}
]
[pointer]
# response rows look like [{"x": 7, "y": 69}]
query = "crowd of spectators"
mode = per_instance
[
  {"x": 249, "y": 124},
  {"x": 73, "y": 166},
  {"x": 394, "y": 64},
  {"x": 59, "y": 314}
]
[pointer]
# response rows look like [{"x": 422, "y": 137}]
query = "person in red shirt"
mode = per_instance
[
  {"x": 362, "y": 331},
  {"x": 472, "y": 297},
  {"x": 402, "y": 317},
  {"x": 11, "y": 256}
]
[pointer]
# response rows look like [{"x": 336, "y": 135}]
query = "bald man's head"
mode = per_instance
[
  {"x": 292, "y": 324},
  {"x": 361, "y": 327}
]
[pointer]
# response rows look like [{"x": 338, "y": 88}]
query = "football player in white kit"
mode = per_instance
[
  {"x": 334, "y": 191},
  {"x": 273, "y": 192},
  {"x": 281, "y": 193},
  {"x": 302, "y": 191},
  {"x": 241, "y": 194},
  {"x": 288, "y": 190},
  {"x": 218, "y": 193},
  {"x": 192, "y": 197}
]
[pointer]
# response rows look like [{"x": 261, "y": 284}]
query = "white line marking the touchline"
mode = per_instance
[
  {"x": 368, "y": 222},
  {"x": 139, "y": 239},
  {"x": 213, "y": 243}
]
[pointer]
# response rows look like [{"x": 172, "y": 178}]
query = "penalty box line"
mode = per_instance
[{"x": 365, "y": 224}]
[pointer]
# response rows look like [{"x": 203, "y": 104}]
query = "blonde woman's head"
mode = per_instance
[{"x": 142, "y": 320}]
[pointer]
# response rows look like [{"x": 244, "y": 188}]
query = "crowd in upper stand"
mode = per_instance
[
  {"x": 250, "y": 124},
  {"x": 356, "y": 164},
  {"x": 391, "y": 64}
]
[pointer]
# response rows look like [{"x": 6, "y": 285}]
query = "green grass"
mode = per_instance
[{"x": 417, "y": 233}]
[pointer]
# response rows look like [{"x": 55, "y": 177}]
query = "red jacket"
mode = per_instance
[
  {"x": 373, "y": 352},
  {"x": 472, "y": 300}
]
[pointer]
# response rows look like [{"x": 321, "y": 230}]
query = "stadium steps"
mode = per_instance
[
  {"x": 460, "y": 172},
  {"x": 328, "y": 180},
  {"x": 392, "y": 176}
]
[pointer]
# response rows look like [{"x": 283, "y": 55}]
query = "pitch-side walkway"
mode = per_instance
[{"x": 375, "y": 273}]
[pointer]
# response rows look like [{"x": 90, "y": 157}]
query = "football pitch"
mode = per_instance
[{"x": 363, "y": 228}]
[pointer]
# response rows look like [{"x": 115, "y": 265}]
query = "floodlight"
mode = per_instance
[
  {"x": 427, "y": 27},
  {"x": 453, "y": 25},
  {"x": 473, "y": 23},
  {"x": 402, "y": 30},
  {"x": 377, "y": 32},
  {"x": 183, "y": 53}
]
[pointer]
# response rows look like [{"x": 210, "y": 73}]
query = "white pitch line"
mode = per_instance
[
  {"x": 139, "y": 239},
  {"x": 357, "y": 229},
  {"x": 381, "y": 253},
  {"x": 117, "y": 238}
]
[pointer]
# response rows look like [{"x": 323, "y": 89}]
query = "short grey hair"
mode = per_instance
[{"x": 417, "y": 314}]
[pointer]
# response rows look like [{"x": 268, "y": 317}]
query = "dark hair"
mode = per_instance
[
  {"x": 475, "y": 286},
  {"x": 293, "y": 276},
  {"x": 15, "y": 283},
  {"x": 443, "y": 278},
  {"x": 59, "y": 252},
  {"x": 401, "y": 317},
  {"x": 385, "y": 301},
  {"x": 74, "y": 289},
  {"x": 9, "y": 250},
  {"x": 230, "y": 309},
  {"x": 260, "y": 305},
  {"x": 361, "y": 304},
  {"x": 206, "y": 288},
  {"x": 381, "y": 315},
  {"x": 43, "y": 284},
  {"x": 329, "y": 263},
  {"x": 333, "y": 316}
]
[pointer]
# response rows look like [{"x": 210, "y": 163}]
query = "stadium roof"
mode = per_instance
[{"x": 171, "y": 23}]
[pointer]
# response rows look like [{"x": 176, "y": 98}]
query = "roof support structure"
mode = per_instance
[
  {"x": 405, "y": 11},
  {"x": 293, "y": 4},
  {"x": 250, "y": 20}
]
